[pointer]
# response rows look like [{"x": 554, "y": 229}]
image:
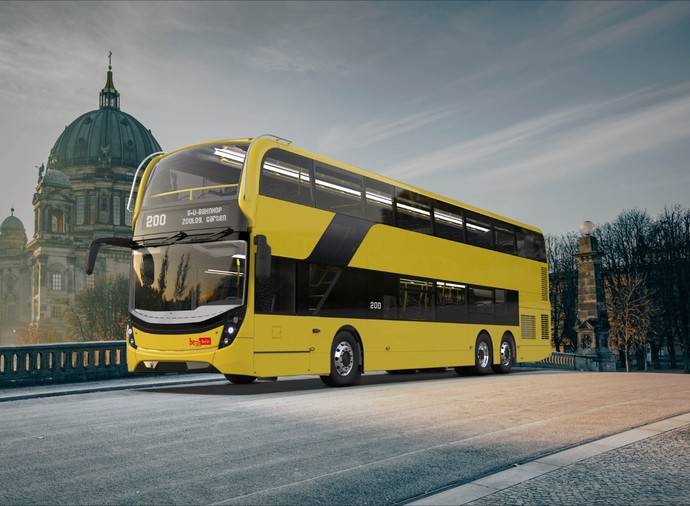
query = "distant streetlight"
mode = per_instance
[{"x": 587, "y": 228}]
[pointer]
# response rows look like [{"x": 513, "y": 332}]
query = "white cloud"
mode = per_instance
[{"x": 522, "y": 138}]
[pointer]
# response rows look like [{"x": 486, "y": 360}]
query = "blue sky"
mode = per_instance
[{"x": 551, "y": 113}]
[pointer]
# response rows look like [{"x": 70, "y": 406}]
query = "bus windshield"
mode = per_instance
[
  {"x": 195, "y": 281},
  {"x": 196, "y": 176}
]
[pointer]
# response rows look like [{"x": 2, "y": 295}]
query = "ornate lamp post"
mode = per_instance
[{"x": 592, "y": 326}]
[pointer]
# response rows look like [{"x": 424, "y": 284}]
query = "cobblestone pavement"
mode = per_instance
[{"x": 653, "y": 471}]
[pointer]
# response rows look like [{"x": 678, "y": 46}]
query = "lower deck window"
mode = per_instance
[{"x": 298, "y": 287}]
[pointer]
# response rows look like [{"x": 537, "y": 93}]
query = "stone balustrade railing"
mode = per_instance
[
  {"x": 569, "y": 361},
  {"x": 63, "y": 362}
]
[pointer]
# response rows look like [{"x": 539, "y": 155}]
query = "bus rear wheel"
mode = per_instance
[
  {"x": 238, "y": 379},
  {"x": 483, "y": 357},
  {"x": 345, "y": 361},
  {"x": 507, "y": 356}
]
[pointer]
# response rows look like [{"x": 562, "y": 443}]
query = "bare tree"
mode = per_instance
[
  {"x": 630, "y": 308},
  {"x": 100, "y": 313},
  {"x": 563, "y": 288}
]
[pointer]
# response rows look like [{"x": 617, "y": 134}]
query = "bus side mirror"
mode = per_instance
[
  {"x": 263, "y": 257},
  {"x": 95, "y": 246}
]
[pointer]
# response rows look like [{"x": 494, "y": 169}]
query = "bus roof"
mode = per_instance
[{"x": 288, "y": 146}]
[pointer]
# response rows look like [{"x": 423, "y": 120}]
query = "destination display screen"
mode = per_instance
[
  {"x": 175, "y": 219},
  {"x": 193, "y": 189}
]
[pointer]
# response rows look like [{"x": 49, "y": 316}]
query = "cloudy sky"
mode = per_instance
[{"x": 551, "y": 113}]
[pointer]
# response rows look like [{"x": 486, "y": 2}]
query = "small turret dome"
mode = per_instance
[
  {"x": 12, "y": 233},
  {"x": 56, "y": 179}
]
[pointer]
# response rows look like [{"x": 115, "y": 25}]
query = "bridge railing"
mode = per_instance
[
  {"x": 568, "y": 361},
  {"x": 63, "y": 362}
]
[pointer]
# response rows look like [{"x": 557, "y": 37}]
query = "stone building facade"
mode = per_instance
[{"x": 81, "y": 194}]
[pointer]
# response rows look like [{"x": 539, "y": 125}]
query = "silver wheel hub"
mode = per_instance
[
  {"x": 343, "y": 358},
  {"x": 506, "y": 353},
  {"x": 483, "y": 355}
]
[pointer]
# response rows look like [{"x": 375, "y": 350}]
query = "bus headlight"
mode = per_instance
[
  {"x": 229, "y": 332},
  {"x": 130, "y": 336}
]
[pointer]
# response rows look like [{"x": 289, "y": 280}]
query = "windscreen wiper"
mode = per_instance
[{"x": 219, "y": 235}]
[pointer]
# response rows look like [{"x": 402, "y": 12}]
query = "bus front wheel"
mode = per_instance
[
  {"x": 238, "y": 379},
  {"x": 345, "y": 361},
  {"x": 483, "y": 357}
]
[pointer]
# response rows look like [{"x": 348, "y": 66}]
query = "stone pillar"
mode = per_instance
[{"x": 592, "y": 326}]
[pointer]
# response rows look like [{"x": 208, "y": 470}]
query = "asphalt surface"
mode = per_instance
[{"x": 389, "y": 440}]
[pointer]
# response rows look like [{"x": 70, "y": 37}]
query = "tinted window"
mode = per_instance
[
  {"x": 205, "y": 174},
  {"x": 481, "y": 300},
  {"x": 449, "y": 222},
  {"x": 506, "y": 306},
  {"x": 479, "y": 230},
  {"x": 353, "y": 293},
  {"x": 505, "y": 237},
  {"x": 413, "y": 212},
  {"x": 277, "y": 294},
  {"x": 415, "y": 299},
  {"x": 338, "y": 191},
  {"x": 451, "y": 300},
  {"x": 286, "y": 176},
  {"x": 530, "y": 245},
  {"x": 379, "y": 201},
  {"x": 540, "y": 247}
]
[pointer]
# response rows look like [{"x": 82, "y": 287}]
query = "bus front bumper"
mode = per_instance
[{"x": 237, "y": 358}]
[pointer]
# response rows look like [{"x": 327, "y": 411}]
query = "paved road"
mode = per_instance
[
  {"x": 386, "y": 441},
  {"x": 653, "y": 471}
]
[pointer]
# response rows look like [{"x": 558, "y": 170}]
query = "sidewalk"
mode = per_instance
[
  {"x": 85, "y": 387},
  {"x": 647, "y": 465}
]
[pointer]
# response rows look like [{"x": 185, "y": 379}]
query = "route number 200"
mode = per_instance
[
  {"x": 155, "y": 220},
  {"x": 375, "y": 305}
]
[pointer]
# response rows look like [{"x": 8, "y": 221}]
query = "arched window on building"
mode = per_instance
[
  {"x": 116, "y": 209},
  {"x": 57, "y": 221},
  {"x": 81, "y": 209},
  {"x": 56, "y": 281}
]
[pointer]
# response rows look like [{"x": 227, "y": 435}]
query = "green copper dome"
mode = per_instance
[
  {"x": 103, "y": 137},
  {"x": 54, "y": 177}
]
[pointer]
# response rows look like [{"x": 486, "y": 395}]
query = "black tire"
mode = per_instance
[
  {"x": 346, "y": 362},
  {"x": 506, "y": 355},
  {"x": 238, "y": 379},
  {"x": 483, "y": 354}
]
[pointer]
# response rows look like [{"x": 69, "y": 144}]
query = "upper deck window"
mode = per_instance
[
  {"x": 338, "y": 191},
  {"x": 479, "y": 231},
  {"x": 449, "y": 222},
  {"x": 204, "y": 174},
  {"x": 505, "y": 237},
  {"x": 531, "y": 245},
  {"x": 413, "y": 212},
  {"x": 287, "y": 176},
  {"x": 379, "y": 201}
]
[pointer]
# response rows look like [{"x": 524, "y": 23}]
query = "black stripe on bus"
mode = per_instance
[{"x": 340, "y": 241}]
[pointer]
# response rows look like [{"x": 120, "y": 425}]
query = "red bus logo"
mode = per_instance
[{"x": 199, "y": 341}]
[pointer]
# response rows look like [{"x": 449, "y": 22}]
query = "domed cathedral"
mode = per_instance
[{"x": 81, "y": 195}]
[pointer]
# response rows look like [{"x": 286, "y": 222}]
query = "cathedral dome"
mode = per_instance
[{"x": 105, "y": 136}]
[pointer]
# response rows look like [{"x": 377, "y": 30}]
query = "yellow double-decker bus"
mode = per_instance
[{"x": 261, "y": 259}]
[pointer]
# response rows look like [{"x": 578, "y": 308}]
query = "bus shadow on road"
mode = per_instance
[{"x": 298, "y": 385}]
